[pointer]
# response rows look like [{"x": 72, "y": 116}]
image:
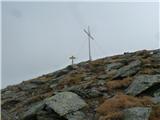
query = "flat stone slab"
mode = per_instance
[
  {"x": 65, "y": 102},
  {"x": 128, "y": 70},
  {"x": 137, "y": 113},
  {"x": 142, "y": 83}
]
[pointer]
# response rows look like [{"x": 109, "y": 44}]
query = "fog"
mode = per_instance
[{"x": 39, "y": 37}]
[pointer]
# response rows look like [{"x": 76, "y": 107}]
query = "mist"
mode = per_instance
[{"x": 39, "y": 37}]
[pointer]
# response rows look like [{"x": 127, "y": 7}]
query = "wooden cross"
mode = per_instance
[
  {"x": 72, "y": 58},
  {"x": 89, "y": 42}
]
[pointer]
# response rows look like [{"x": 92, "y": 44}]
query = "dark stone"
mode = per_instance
[
  {"x": 142, "y": 83},
  {"x": 137, "y": 113}
]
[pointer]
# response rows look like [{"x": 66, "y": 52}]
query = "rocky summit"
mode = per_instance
[{"x": 120, "y": 87}]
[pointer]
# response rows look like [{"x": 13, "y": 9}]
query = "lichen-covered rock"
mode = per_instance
[
  {"x": 32, "y": 110},
  {"x": 113, "y": 66},
  {"x": 142, "y": 83},
  {"x": 137, "y": 113},
  {"x": 128, "y": 70},
  {"x": 65, "y": 102}
]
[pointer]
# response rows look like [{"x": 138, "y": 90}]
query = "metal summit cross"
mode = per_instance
[
  {"x": 72, "y": 58},
  {"x": 89, "y": 42}
]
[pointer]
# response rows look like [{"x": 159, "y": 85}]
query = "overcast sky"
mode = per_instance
[{"x": 39, "y": 37}]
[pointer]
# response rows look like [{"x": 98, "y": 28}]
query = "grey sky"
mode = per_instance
[{"x": 39, "y": 37}]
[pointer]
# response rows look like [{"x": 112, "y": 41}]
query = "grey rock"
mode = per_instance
[
  {"x": 156, "y": 100},
  {"x": 128, "y": 70},
  {"x": 157, "y": 71},
  {"x": 27, "y": 86},
  {"x": 78, "y": 115},
  {"x": 84, "y": 90},
  {"x": 5, "y": 115},
  {"x": 113, "y": 66},
  {"x": 61, "y": 72},
  {"x": 157, "y": 93},
  {"x": 87, "y": 93},
  {"x": 11, "y": 95},
  {"x": 53, "y": 86},
  {"x": 102, "y": 89},
  {"x": 87, "y": 78},
  {"x": 54, "y": 82},
  {"x": 93, "y": 92},
  {"x": 65, "y": 102},
  {"x": 137, "y": 113},
  {"x": 103, "y": 77},
  {"x": 81, "y": 86},
  {"x": 8, "y": 94},
  {"x": 101, "y": 82},
  {"x": 142, "y": 83},
  {"x": 32, "y": 110},
  {"x": 156, "y": 53}
]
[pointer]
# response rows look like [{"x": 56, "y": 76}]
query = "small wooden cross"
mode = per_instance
[{"x": 72, "y": 58}]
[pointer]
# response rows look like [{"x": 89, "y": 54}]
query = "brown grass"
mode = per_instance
[
  {"x": 117, "y": 84},
  {"x": 147, "y": 71},
  {"x": 119, "y": 102},
  {"x": 97, "y": 62},
  {"x": 70, "y": 80},
  {"x": 155, "y": 115}
]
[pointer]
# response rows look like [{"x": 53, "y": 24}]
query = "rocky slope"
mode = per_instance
[{"x": 121, "y": 87}]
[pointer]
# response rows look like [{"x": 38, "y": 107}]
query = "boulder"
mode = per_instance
[
  {"x": 113, "y": 66},
  {"x": 142, "y": 83},
  {"x": 65, "y": 102},
  {"x": 137, "y": 113},
  {"x": 85, "y": 92},
  {"x": 128, "y": 70},
  {"x": 30, "y": 113}
]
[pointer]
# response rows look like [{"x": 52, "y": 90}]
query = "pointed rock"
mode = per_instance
[{"x": 142, "y": 83}]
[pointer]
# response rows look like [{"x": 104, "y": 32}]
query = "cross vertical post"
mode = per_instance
[
  {"x": 72, "y": 59},
  {"x": 89, "y": 45},
  {"x": 89, "y": 42}
]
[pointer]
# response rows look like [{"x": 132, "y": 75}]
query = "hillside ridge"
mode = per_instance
[{"x": 119, "y": 87}]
